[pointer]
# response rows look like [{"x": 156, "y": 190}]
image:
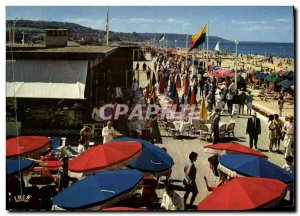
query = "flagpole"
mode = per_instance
[
  {"x": 186, "y": 43},
  {"x": 207, "y": 37},
  {"x": 107, "y": 26}
]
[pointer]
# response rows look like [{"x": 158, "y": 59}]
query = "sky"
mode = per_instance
[{"x": 247, "y": 23}]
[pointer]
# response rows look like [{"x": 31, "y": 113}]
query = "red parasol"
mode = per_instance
[
  {"x": 244, "y": 194},
  {"x": 27, "y": 146},
  {"x": 103, "y": 157},
  {"x": 223, "y": 148}
]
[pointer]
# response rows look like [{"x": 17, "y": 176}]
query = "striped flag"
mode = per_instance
[
  {"x": 198, "y": 38},
  {"x": 161, "y": 38}
]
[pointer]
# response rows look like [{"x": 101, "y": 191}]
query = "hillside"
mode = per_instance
[{"x": 35, "y": 31}]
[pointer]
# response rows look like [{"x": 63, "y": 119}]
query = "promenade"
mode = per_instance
[{"x": 181, "y": 147}]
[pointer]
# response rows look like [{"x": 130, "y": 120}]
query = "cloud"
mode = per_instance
[
  {"x": 282, "y": 20},
  {"x": 259, "y": 28},
  {"x": 248, "y": 22}
]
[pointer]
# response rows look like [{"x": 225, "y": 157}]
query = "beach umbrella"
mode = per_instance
[
  {"x": 186, "y": 83},
  {"x": 189, "y": 95},
  {"x": 103, "y": 157},
  {"x": 153, "y": 159},
  {"x": 153, "y": 79},
  {"x": 193, "y": 98},
  {"x": 286, "y": 83},
  {"x": 14, "y": 166},
  {"x": 178, "y": 81},
  {"x": 228, "y": 73},
  {"x": 280, "y": 72},
  {"x": 273, "y": 78},
  {"x": 203, "y": 110},
  {"x": 100, "y": 190},
  {"x": 249, "y": 165},
  {"x": 161, "y": 85},
  {"x": 227, "y": 148},
  {"x": 27, "y": 146},
  {"x": 261, "y": 75},
  {"x": 182, "y": 99},
  {"x": 245, "y": 194}
]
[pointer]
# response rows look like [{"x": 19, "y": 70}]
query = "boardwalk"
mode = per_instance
[{"x": 180, "y": 148}]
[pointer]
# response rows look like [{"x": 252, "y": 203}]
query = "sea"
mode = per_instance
[{"x": 285, "y": 50}]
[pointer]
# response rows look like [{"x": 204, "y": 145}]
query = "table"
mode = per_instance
[
  {"x": 51, "y": 163},
  {"x": 182, "y": 126}
]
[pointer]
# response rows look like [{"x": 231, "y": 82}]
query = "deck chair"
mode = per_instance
[
  {"x": 172, "y": 129},
  {"x": 230, "y": 129},
  {"x": 70, "y": 152},
  {"x": 55, "y": 143},
  {"x": 222, "y": 131},
  {"x": 205, "y": 132}
]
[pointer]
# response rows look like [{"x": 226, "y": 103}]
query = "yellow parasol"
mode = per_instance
[{"x": 203, "y": 110}]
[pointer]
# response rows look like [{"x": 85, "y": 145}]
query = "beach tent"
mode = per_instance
[
  {"x": 14, "y": 166},
  {"x": 153, "y": 159},
  {"x": 261, "y": 75},
  {"x": 229, "y": 148},
  {"x": 280, "y": 72},
  {"x": 27, "y": 146},
  {"x": 273, "y": 78},
  {"x": 98, "y": 191},
  {"x": 286, "y": 83},
  {"x": 104, "y": 157},
  {"x": 250, "y": 165},
  {"x": 245, "y": 194}
]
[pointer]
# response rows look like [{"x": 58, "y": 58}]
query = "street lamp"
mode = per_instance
[
  {"x": 175, "y": 43},
  {"x": 236, "y": 42},
  {"x": 14, "y": 30}
]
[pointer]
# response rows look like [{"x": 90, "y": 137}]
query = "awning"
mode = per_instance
[{"x": 46, "y": 79}]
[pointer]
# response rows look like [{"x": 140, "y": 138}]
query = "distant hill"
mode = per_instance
[
  {"x": 35, "y": 30},
  {"x": 182, "y": 37}
]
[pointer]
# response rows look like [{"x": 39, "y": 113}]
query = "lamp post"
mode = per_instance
[
  {"x": 236, "y": 42},
  {"x": 14, "y": 30},
  {"x": 175, "y": 43}
]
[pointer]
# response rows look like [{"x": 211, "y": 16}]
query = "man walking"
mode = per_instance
[{"x": 253, "y": 129}]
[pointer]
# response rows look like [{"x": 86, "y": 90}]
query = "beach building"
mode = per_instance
[{"x": 53, "y": 88}]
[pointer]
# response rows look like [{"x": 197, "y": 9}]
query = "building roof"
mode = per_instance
[{"x": 80, "y": 52}]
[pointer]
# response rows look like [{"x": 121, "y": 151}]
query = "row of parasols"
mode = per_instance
[
  {"x": 105, "y": 180},
  {"x": 282, "y": 78},
  {"x": 258, "y": 183}
]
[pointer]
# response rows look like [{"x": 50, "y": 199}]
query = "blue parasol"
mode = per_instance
[
  {"x": 253, "y": 166},
  {"x": 14, "y": 165},
  {"x": 98, "y": 189},
  {"x": 152, "y": 160}
]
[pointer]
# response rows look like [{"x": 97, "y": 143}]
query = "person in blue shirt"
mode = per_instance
[{"x": 189, "y": 181}]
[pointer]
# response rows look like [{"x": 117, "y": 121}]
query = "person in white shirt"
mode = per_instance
[
  {"x": 134, "y": 85},
  {"x": 107, "y": 132},
  {"x": 289, "y": 136},
  {"x": 172, "y": 200},
  {"x": 96, "y": 114},
  {"x": 289, "y": 168},
  {"x": 81, "y": 148}
]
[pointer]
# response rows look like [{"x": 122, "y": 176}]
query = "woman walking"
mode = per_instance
[
  {"x": 189, "y": 181},
  {"x": 278, "y": 131},
  {"x": 271, "y": 126}
]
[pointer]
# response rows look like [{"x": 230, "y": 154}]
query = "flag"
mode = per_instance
[
  {"x": 198, "y": 38},
  {"x": 161, "y": 38},
  {"x": 217, "y": 48}
]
